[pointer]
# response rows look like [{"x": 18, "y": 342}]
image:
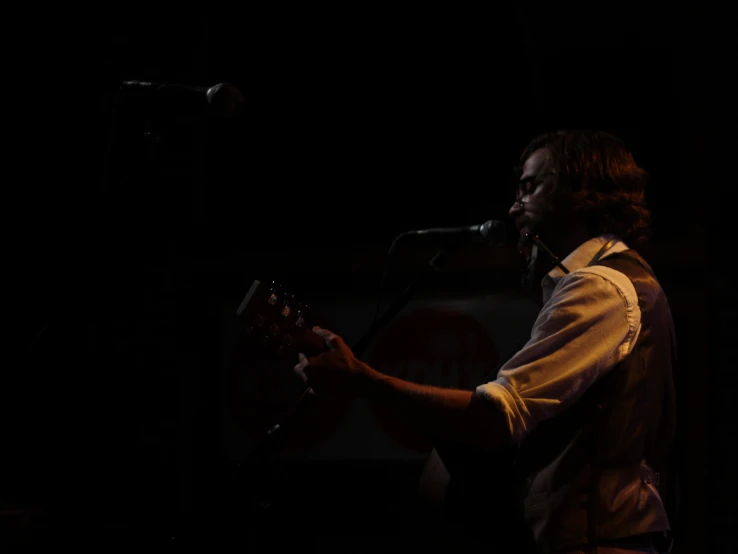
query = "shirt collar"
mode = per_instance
[{"x": 580, "y": 257}]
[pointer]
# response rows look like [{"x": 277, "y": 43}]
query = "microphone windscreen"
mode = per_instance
[{"x": 225, "y": 100}]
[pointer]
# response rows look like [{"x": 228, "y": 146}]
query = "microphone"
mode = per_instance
[
  {"x": 221, "y": 100},
  {"x": 492, "y": 231}
]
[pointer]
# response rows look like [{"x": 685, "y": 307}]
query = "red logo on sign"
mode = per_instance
[{"x": 440, "y": 347}]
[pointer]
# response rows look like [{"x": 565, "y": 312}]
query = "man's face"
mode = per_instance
[{"x": 536, "y": 210}]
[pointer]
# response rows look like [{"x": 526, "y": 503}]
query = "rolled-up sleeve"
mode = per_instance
[{"x": 587, "y": 327}]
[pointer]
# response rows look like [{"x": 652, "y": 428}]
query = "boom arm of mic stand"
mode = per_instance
[{"x": 396, "y": 307}]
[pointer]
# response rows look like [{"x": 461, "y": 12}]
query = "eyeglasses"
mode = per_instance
[{"x": 530, "y": 185}]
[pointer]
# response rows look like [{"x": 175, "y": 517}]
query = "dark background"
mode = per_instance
[{"x": 356, "y": 126}]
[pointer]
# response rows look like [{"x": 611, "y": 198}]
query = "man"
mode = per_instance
[{"x": 588, "y": 403}]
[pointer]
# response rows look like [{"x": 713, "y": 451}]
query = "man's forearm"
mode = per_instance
[{"x": 452, "y": 415}]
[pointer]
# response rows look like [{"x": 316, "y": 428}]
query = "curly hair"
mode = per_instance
[{"x": 607, "y": 186}]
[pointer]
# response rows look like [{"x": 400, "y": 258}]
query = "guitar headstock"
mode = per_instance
[{"x": 280, "y": 323}]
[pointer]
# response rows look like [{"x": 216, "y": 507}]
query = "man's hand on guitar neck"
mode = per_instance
[
  {"x": 452, "y": 415},
  {"x": 336, "y": 372}
]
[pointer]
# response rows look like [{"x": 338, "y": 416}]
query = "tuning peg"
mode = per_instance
[
  {"x": 287, "y": 306},
  {"x": 257, "y": 323},
  {"x": 274, "y": 289},
  {"x": 301, "y": 309},
  {"x": 271, "y": 334},
  {"x": 286, "y": 345}
]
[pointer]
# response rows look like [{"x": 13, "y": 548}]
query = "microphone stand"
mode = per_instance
[{"x": 275, "y": 438}]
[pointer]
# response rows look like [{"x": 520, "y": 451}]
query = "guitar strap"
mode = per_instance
[{"x": 602, "y": 251}]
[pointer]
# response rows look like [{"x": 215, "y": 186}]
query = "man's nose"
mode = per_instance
[{"x": 516, "y": 209}]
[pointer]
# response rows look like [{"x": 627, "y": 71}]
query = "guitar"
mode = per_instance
[{"x": 454, "y": 481}]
